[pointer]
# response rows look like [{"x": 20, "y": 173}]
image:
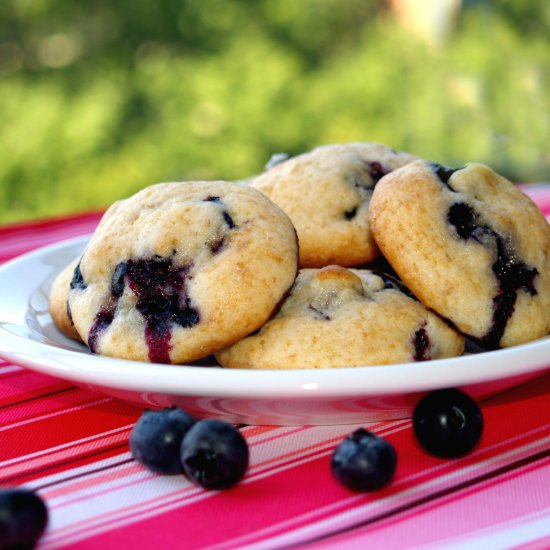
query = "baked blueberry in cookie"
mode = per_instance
[
  {"x": 513, "y": 275},
  {"x": 326, "y": 193},
  {"x": 422, "y": 345},
  {"x": 162, "y": 300},
  {"x": 180, "y": 270},
  {"x": 59, "y": 293},
  {"x": 276, "y": 158},
  {"x": 443, "y": 172},
  {"x": 336, "y": 317},
  {"x": 377, "y": 171},
  {"x": 471, "y": 246},
  {"x": 77, "y": 280},
  {"x": 391, "y": 281}
]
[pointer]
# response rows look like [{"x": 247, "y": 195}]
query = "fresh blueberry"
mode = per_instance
[
  {"x": 363, "y": 461},
  {"x": 23, "y": 518},
  {"x": 214, "y": 454},
  {"x": 447, "y": 423},
  {"x": 156, "y": 439}
]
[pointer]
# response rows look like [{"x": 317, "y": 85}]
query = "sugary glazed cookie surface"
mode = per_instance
[
  {"x": 469, "y": 245},
  {"x": 326, "y": 193},
  {"x": 58, "y": 302},
  {"x": 336, "y": 317},
  {"x": 180, "y": 270}
]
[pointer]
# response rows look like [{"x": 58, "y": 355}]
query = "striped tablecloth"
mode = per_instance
[{"x": 71, "y": 446}]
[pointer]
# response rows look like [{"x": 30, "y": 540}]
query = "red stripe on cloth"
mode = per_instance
[
  {"x": 540, "y": 194},
  {"x": 65, "y": 468},
  {"x": 68, "y": 452},
  {"x": 42, "y": 225},
  {"x": 23, "y": 385},
  {"x": 479, "y": 516},
  {"x": 18, "y": 239},
  {"x": 41, "y": 433},
  {"x": 61, "y": 428},
  {"x": 49, "y": 405},
  {"x": 128, "y": 468},
  {"x": 251, "y": 431}
]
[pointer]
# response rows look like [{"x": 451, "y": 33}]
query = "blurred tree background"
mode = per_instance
[{"x": 99, "y": 99}]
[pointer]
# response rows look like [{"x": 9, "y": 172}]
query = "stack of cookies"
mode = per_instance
[{"x": 348, "y": 255}]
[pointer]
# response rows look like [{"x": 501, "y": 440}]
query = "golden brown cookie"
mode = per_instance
[
  {"x": 180, "y": 270},
  {"x": 326, "y": 192},
  {"x": 336, "y": 317},
  {"x": 470, "y": 246}
]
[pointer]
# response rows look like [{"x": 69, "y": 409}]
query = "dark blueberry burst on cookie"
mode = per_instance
[{"x": 161, "y": 298}]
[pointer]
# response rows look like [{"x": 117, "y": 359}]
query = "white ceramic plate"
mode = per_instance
[{"x": 28, "y": 337}]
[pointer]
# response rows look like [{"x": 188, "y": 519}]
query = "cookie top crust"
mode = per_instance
[
  {"x": 326, "y": 192},
  {"x": 471, "y": 246},
  {"x": 336, "y": 317},
  {"x": 181, "y": 269}
]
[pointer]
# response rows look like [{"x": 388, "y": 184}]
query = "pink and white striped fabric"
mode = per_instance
[{"x": 71, "y": 445}]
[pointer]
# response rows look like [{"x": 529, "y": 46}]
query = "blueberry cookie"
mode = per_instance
[
  {"x": 470, "y": 246},
  {"x": 58, "y": 302},
  {"x": 180, "y": 270},
  {"x": 337, "y": 317},
  {"x": 326, "y": 193}
]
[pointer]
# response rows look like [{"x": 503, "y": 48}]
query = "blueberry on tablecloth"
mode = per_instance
[
  {"x": 363, "y": 461},
  {"x": 447, "y": 423}
]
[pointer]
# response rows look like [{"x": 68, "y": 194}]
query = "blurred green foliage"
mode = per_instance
[{"x": 99, "y": 99}]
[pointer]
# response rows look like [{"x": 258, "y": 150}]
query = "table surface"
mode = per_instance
[{"x": 71, "y": 446}]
